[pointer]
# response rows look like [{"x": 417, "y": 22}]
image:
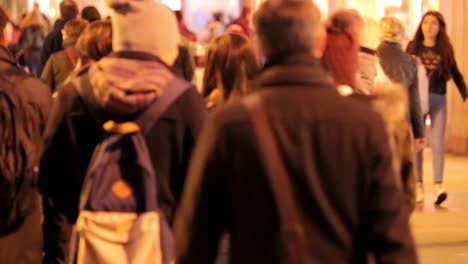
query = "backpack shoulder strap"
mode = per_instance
[
  {"x": 277, "y": 175},
  {"x": 172, "y": 92},
  {"x": 70, "y": 56}
]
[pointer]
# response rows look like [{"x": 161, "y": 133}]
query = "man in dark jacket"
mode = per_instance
[
  {"x": 336, "y": 151},
  {"x": 118, "y": 88},
  {"x": 24, "y": 245},
  {"x": 53, "y": 41}
]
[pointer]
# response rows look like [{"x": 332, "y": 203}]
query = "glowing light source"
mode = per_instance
[
  {"x": 434, "y": 4},
  {"x": 428, "y": 120},
  {"x": 393, "y": 2},
  {"x": 52, "y": 13},
  {"x": 43, "y": 4},
  {"x": 323, "y": 5},
  {"x": 173, "y": 4}
]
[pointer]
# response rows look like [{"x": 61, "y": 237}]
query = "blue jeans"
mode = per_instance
[{"x": 438, "y": 113}]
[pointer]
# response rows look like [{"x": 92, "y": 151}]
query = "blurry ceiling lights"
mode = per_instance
[
  {"x": 323, "y": 5},
  {"x": 434, "y": 4},
  {"x": 393, "y": 3}
]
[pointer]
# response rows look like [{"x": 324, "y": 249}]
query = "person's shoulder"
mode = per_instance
[
  {"x": 411, "y": 47},
  {"x": 52, "y": 35},
  {"x": 188, "y": 102},
  {"x": 35, "y": 91},
  {"x": 56, "y": 56},
  {"x": 230, "y": 114},
  {"x": 34, "y": 85},
  {"x": 359, "y": 112},
  {"x": 190, "y": 90}
]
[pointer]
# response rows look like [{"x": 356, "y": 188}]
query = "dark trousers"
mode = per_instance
[{"x": 57, "y": 233}]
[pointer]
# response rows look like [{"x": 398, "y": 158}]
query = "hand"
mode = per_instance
[{"x": 419, "y": 144}]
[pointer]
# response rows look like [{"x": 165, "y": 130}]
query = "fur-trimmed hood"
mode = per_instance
[{"x": 391, "y": 101}]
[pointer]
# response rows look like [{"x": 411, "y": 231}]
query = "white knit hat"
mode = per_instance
[{"x": 144, "y": 25}]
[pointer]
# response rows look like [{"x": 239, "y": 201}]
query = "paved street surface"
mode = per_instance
[{"x": 442, "y": 233}]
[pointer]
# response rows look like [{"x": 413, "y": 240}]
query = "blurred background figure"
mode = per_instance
[
  {"x": 231, "y": 65},
  {"x": 369, "y": 40},
  {"x": 431, "y": 45},
  {"x": 401, "y": 68},
  {"x": 215, "y": 28},
  {"x": 62, "y": 63},
  {"x": 186, "y": 34},
  {"x": 53, "y": 41},
  {"x": 184, "y": 65},
  {"x": 36, "y": 17},
  {"x": 245, "y": 20},
  {"x": 341, "y": 56},
  {"x": 389, "y": 99},
  {"x": 31, "y": 41},
  {"x": 90, "y": 13}
]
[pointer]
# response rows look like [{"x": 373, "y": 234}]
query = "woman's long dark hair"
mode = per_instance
[
  {"x": 231, "y": 61},
  {"x": 443, "y": 45}
]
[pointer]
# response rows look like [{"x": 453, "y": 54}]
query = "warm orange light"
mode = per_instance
[{"x": 428, "y": 120}]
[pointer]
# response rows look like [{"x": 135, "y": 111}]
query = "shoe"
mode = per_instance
[
  {"x": 420, "y": 193},
  {"x": 441, "y": 195}
]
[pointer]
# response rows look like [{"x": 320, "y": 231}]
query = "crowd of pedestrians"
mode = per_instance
[{"x": 303, "y": 144}]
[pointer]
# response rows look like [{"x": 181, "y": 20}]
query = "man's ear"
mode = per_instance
[{"x": 320, "y": 43}]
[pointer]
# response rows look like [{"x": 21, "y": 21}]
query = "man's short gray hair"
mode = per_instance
[{"x": 287, "y": 26}]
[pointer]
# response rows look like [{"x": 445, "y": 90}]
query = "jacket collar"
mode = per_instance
[{"x": 299, "y": 69}]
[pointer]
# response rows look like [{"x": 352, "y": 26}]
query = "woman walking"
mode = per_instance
[{"x": 433, "y": 48}]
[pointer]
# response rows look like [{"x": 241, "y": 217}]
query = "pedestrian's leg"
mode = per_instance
[
  {"x": 419, "y": 162},
  {"x": 438, "y": 111},
  {"x": 420, "y": 171}
]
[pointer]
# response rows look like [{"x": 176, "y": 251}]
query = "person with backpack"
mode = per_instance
[
  {"x": 132, "y": 101},
  {"x": 295, "y": 172},
  {"x": 62, "y": 63},
  {"x": 61, "y": 194},
  {"x": 24, "y": 107}
]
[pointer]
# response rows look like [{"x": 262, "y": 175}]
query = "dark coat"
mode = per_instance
[
  {"x": 25, "y": 245},
  {"x": 400, "y": 67},
  {"x": 338, "y": 157},
  {"x": 52, "y": 43},
  {"x": 73, "y": 133}
]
